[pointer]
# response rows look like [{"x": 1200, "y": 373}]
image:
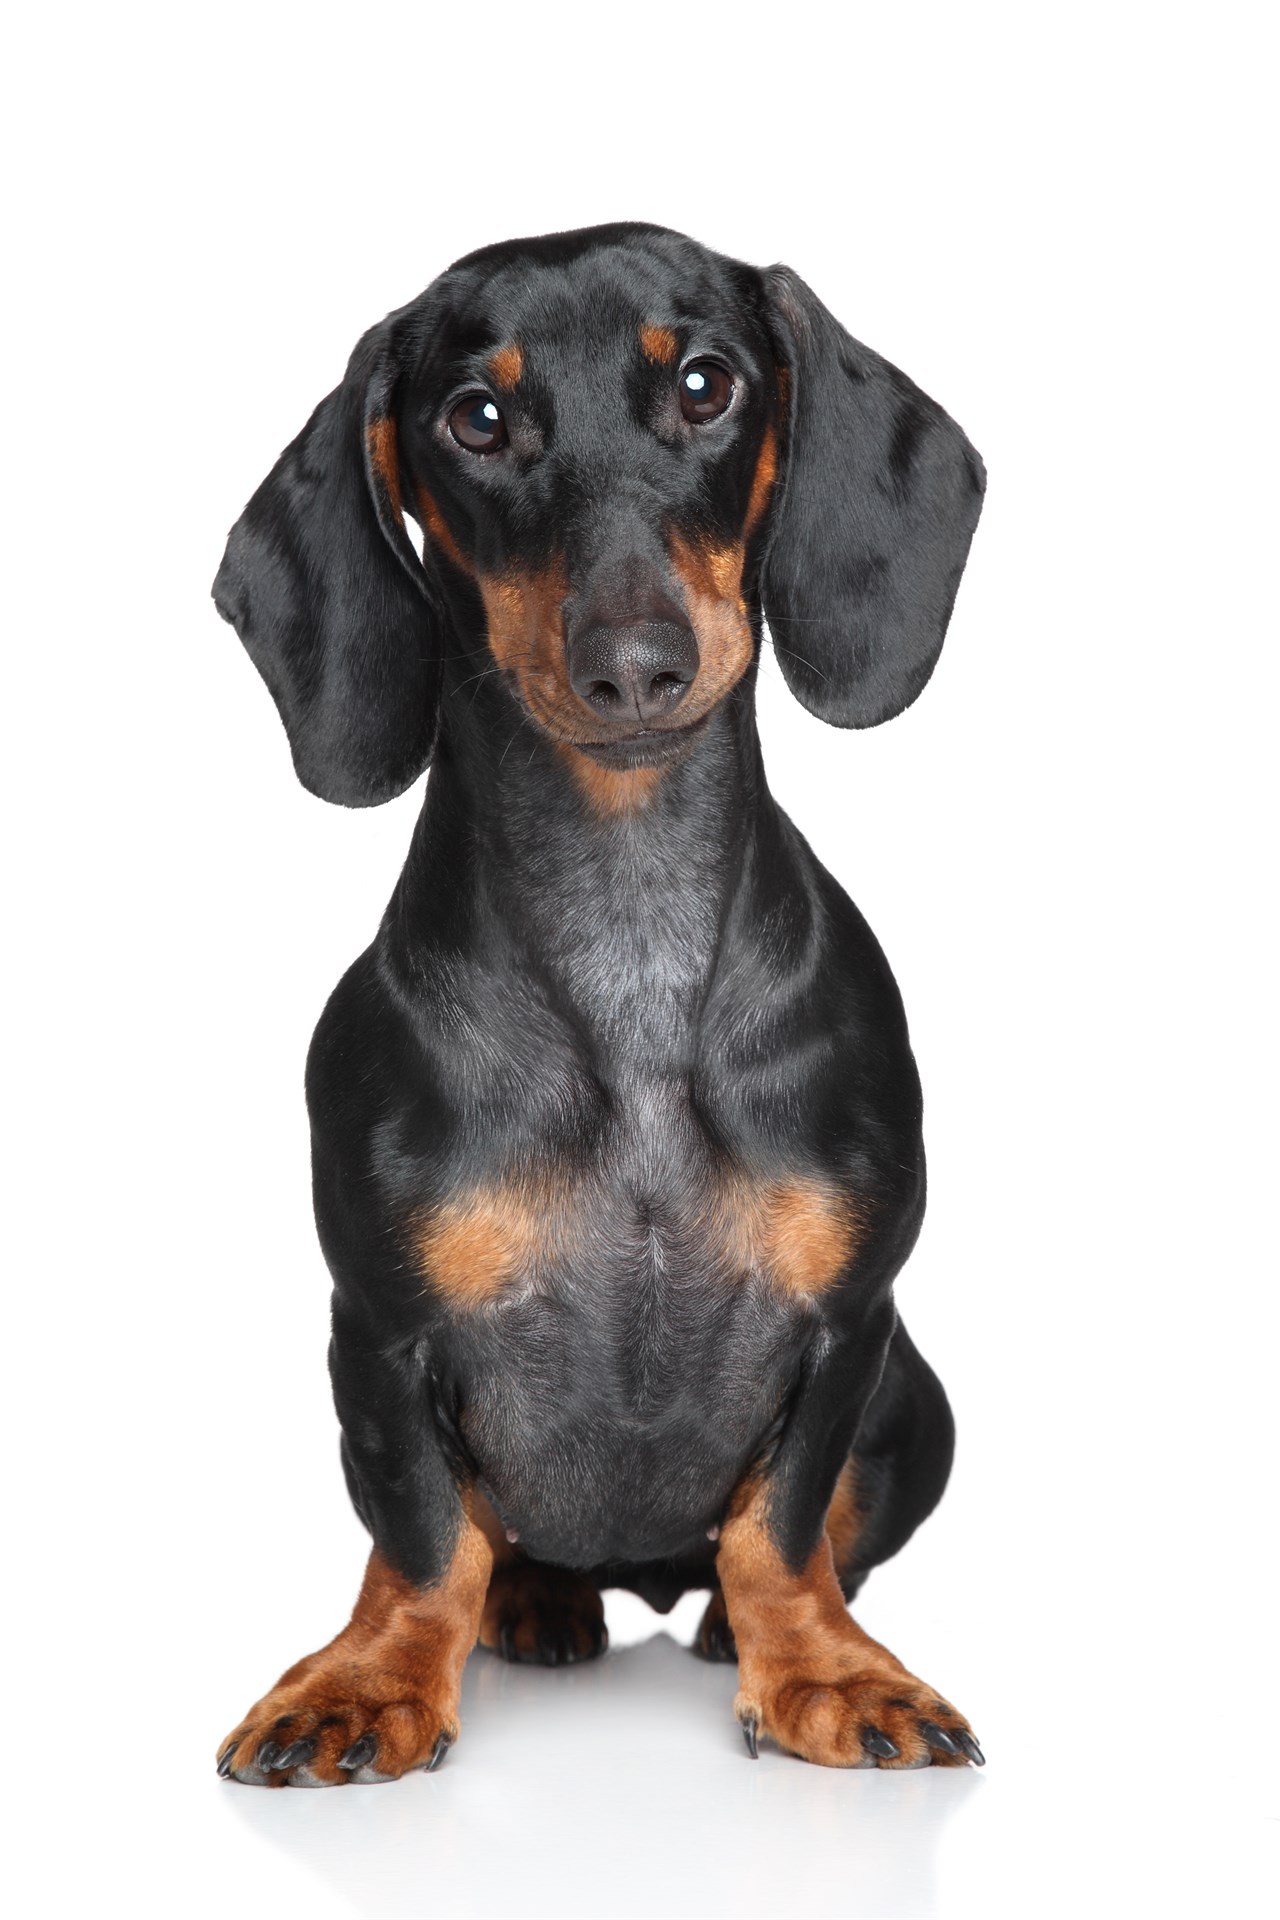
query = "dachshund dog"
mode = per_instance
[{"x": 616, "y": 1127}]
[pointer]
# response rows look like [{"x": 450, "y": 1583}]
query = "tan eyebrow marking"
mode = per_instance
[
  {"x": 506, "y": 364},
  {"x": 659, "y": 344}
]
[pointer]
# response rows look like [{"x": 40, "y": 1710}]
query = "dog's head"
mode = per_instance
[{"x": 619, "y": 446}]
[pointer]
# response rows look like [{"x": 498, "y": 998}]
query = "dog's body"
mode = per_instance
[{"x": 616, "y": 1126}]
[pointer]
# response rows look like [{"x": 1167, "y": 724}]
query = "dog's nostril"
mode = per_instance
[{"x": 633, "y": 674}]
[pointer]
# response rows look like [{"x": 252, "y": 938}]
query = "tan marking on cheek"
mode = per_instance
[
  {"x": 526, "y": 636},
  {"x": 801, "y": 1234},
  {"x": 436, "y": 528},
  {"x": 506, "y": 364},
  {"x": 712, "y": 581},
  {"x": 472, "y": 1246},
  {"x": 384, "y": 452},
  {"x": 762, "y": 482},
  {"x": 612, "y": 792},
  {"x": 660, "y": 344}
]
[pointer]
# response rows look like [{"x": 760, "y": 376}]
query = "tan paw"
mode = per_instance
[
  {"x": 339, "y": 1723},
  {"x": 545, "y": 1616},
  {"x": 862, "y": 1718}
]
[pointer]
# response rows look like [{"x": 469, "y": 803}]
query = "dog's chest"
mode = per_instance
[
  {"x": 622, "y": 1329},
  {"x": 628, "y": 1278}
]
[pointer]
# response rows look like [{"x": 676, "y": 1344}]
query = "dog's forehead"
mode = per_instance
[{"x": 552, "y": 299}]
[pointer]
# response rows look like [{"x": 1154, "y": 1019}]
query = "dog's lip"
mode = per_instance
[{"x": 644, "y": 747}]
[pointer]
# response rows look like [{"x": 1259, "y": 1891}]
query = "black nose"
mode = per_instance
[{"x": 635, "y": 672}]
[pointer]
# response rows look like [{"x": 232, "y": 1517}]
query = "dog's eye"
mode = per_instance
[
  {"x": 705, "y": 391},
  {"x": 477, "y": 424}
]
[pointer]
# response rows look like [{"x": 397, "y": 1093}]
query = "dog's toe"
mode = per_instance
[
  {"x": 714, "y": 1639},
  {"x": 543, "y": 1616}
]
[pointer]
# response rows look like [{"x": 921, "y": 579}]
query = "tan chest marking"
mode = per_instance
[
  {"x": 798, "y": 1234},
  {"x": 801, "y": 1234},
  {"x": 472, "y": 1246}
]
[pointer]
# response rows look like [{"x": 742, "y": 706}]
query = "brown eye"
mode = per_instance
[
  {"x": 705, "y": 391},
  {"x": 476, "y": 423}
]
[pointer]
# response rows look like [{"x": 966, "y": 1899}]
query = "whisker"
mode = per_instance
[
  {"x": 800, "y": 657},
  {"x": 483, "y": 674},
  {"x": 524, "y": 722}
]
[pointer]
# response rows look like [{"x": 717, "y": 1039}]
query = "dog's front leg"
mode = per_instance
[
  {"x": 808, "y": 1675},
  {"x": 381, "y": 1698}
]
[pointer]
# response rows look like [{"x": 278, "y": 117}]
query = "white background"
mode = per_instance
[{"x": 1056, "y": 220}]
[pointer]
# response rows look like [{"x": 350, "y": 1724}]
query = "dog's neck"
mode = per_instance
[{"x": 608, "y": 909}]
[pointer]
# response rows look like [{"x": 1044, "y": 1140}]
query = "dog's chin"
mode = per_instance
[{"x": 651, "y": 747}]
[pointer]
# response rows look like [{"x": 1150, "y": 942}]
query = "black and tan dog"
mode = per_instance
[{"x": 616, "y": 1126}]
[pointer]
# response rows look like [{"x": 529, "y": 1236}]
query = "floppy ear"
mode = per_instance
[
  {"x": 321, "y": 582},
  {"x": 880, "y": 499}
]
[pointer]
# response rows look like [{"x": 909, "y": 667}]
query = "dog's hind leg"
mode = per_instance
[
  {"x": 893, "y": 1480},
  {"x": 542, "y": 1616},
  {"x": 898, "y": 1469},
  {"x": 534, "y": 1614}
]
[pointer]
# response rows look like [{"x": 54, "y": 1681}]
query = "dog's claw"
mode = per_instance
[
  {"x": 507, "y": 1643},
  {"x": 879, "y": 1743},
  {"x": 268, "y": 1753},
  {"x": 549, "y": 1648},
  {"x": 224, "y": 1763},
  {"x": 971, "y": 1747},
  {"x": 938, "y": 1737},
  {"x": 438, "y": 1753},
  {"x": 359, "y": 1753},
  {"x": 297, "y": 1755},
  {"x": 750, "y": 1727}
]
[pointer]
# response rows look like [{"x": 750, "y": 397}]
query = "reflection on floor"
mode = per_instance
[{"x": 620, "y": 1788}]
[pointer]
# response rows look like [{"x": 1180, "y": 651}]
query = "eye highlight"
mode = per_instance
[
  {"x": 705, "y": 391},
  {"x": 476, "y": 423}
]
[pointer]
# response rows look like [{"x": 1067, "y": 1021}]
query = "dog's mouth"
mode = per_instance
[{"x": 647, "y": 747}]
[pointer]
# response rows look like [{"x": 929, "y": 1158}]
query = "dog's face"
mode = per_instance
[
  {"x": 621, "y": 448},
  {"x": 591, "y": 442}
]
